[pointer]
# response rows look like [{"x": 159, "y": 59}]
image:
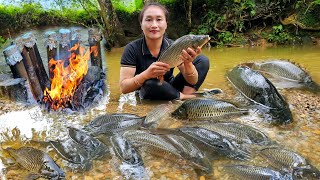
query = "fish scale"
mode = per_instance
[{"x": 32, "y": 159}]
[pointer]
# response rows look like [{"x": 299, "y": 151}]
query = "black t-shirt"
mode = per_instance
[{"x": 137, "y": 55}]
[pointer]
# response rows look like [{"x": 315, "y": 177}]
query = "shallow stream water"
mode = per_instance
[{"x": 22, "y": 125}]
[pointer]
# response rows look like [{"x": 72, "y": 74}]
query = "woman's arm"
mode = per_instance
[
  {"x": 187, "y": 69},
  {"x": 130, "y": 82}
]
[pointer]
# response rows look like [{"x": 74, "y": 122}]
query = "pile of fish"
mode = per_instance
[
  {"x": 208, "y": 134},
  {"x": 124, "y": 136}
]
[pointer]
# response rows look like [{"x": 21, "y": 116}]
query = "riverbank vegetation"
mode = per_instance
[{"x": 228, "y": 22}]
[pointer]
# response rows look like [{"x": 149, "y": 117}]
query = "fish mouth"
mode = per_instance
[{"x": 205, "y": 41}]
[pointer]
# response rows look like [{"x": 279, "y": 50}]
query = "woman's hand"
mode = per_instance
[
  {"x": 188, "y": 55},
  {"x": 156, "y": 69}
]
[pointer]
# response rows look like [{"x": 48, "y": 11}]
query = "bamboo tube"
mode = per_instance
[
  {"x": 14, "y": 89},
  {"x": 31, "y": 47},
  {"x": 14, "y": 60},
  {"x": 95, "y": 49},
  {"x": 32, "y": 76},
  {"x": 51, "y": 44},
  {"x": 64, "y": 45}
]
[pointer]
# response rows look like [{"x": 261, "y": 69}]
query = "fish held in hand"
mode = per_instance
[{"x": 172, "y": 53}]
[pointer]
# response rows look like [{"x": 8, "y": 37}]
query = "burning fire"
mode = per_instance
[{"x": 66, "y": 79}]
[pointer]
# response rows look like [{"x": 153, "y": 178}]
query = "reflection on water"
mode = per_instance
[{"x": 302, "y": 136}]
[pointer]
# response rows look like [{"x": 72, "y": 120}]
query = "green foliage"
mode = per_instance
[
  {"x": 278, "y": 35},
  {"x": 130, "y": 7},
  {"x": 208, "y": 23},
  {"x": 2, "y": 41},
  {"x": 225, "y": 37}
]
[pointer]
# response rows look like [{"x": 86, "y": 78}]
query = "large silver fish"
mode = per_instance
[
  {"x": 262, "y": 92},
  {"x": 213, "y": 142},
  {"x": 154, "y": 144},
  {"x": 207, "y": 109},
  {"x": 155, "y": 116},
  {"x": 132, "y": 166},
  {"x": 37, "y": 161},
  {"x": 117, "y": 126},
  {"x": 93, "y": 146},
  {"x": 286, "y": 70},
  {"x": 171, "y": 54},
  {"x": 225, "y": 130},
  {"x": 190, "y": 152},
  {"x": 108, "y": 118},
  {"x": 254, "y": 134},
  {"x": 256, "y": 173},
  {"x": 291, "y": 162}
]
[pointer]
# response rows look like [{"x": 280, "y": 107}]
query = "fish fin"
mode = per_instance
[{"x": 209, "y": 92}]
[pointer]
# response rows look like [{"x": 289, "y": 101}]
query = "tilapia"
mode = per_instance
[
  {"x": 207, "y": 109},
  {"x": 255, "y": 173},
  {"x": 171, "y": 54},
  {"x": 37, "y": 161},
  {"x": 286, "y": 70},
  {"x": 213, "y": 142},
  {"x": 290, "y": 161},
  {"x": 155, "y": 116},
  {"x": 259, "y": 90}
]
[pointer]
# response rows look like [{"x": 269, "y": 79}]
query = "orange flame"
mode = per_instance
[{"x": 66, "y": 79}]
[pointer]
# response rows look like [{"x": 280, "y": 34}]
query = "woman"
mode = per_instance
[{"x": 140, "y": 69}]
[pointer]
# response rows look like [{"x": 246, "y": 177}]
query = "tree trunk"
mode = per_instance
[
  {"x": 189, "y": 14},
  {"x": 112, "y": 30}
]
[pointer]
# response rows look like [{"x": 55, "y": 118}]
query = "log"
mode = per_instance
[
  {"x": 51, "y": 44},
  {"x": 95, "y": 48},
  {"x": 14, "y": 89},
  {"x": 31, "y": 47},
  {"x": 64, "y": 45},
  {"x": 33, "y": 80}
]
